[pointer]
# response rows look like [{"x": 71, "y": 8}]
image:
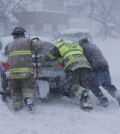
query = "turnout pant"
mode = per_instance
[
  {"x": 77, "y": 79},
  {"x": 21, "y": 89}
]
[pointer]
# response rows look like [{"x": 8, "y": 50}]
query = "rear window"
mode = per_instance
[{"x": 47, "y": 46}]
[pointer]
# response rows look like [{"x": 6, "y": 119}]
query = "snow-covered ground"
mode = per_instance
[{"x": 61, "y": 115}]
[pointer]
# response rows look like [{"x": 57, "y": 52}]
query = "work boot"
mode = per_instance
[
  {"x": 85, "y": 102},
  {"x": 30, "y": 103},
  {"x": 31, "y": 108},
  {"x": 103, "y": 101}
]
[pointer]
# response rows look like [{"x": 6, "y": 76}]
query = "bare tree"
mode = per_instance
[
  {"x": 7, "y": 9},
  {"x": 102, "y": 11}
]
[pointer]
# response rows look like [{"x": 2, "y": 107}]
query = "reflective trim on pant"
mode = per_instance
[
  {"x": 79, "y": 91},
  {"x": 21, "y": 88},
  {"x": 17, "y": 104},
  {"x": 27, "y": 93},
  {"x": 74, "y": 83}
]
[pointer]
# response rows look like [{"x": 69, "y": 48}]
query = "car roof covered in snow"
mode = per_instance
[
  {"x": 43, "y": 39},
  {"x": 7, "y": 39},
  {"x": 74, "y": 30}
]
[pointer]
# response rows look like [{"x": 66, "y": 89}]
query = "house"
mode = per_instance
[
  {"x": 76, "y": 14},
  {"x": 78, "y": 18},
  {"x": 47, "y": 16}
]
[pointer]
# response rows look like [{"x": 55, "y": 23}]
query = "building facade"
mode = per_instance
[{"x": 49, "y": 18}]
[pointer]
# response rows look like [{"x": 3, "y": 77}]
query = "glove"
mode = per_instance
[{"x": 41, "y": 58}]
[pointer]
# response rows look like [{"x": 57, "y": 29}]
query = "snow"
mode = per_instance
[
  {"x": 62, "y": 115},
  {"x": 43, "y": 89}
]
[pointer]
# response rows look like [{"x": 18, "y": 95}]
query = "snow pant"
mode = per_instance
[
  {"x": 102, "y": 79},
  {"x": 21, "y": 89},
  {"x": 77, "y": 79}
]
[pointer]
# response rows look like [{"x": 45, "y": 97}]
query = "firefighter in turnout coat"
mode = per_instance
[
  {"x": 76, "y": 67},
  {"x": 22, "y": 79}
]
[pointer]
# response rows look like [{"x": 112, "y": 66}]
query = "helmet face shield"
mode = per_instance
[{"x": 18, "y": 31}]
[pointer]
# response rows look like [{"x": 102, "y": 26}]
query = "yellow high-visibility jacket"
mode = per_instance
[{"x": 70, "y": 54}]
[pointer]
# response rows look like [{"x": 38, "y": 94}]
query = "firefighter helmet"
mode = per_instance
[{"x": 18, "y": 31}]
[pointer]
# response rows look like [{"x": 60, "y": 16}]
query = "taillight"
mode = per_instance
[
  {"x": 59, "y": 66},
  {"x": 6, "y": 65}
]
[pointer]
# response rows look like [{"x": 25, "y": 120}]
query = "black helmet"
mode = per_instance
[
  {"x": 83, "y": 40},
  {"x": 18, "y": 31}
]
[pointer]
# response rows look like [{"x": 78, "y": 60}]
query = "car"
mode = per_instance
[
  {"x": 74, "y": 34},
  {"x": 0, "y": 44},
  {"x": 51, "y": 72}
]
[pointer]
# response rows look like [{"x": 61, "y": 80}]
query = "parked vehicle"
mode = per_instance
[
  {"x": 0, "y": 44},
  {"x": 51, "y": 72},
  {"x": 74, "y": 34}
]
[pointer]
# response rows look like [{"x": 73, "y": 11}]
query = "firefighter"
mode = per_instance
[
  {"x": 76, "y": 68},
  {"x": 100, "y": 72},
  {"x": 22, "y": 79}
]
